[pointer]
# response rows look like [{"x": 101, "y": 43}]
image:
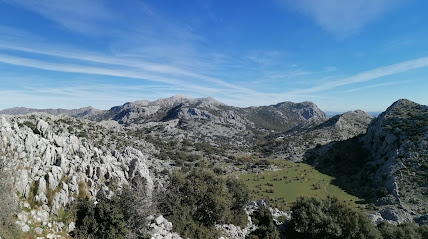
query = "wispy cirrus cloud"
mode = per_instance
[
  {"x": 100, "y": 96},
  {"x": 342, "y": 18},
  {"x": 114, "y": 66},
  {"x": 376, "y": 86},
  {"x": 367, "y": 75},
  {"x": 120, "y": 72}
]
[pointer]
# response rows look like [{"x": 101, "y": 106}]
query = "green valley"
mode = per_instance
[{"x": 280, "y": 188}]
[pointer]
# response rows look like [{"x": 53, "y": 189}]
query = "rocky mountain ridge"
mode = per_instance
[
  {"x": 386, "y": 164},
  {"x": 293, "y": 143},
  {"x": 397, "y": 140},
  {"x": 202, "y": 119}
]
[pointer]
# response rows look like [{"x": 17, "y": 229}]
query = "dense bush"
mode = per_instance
[
  {"x": 102, "y": 220},
  {"x": 122, "y": 215},
  {"x": 328, "y": 218},
  {"x": 403, "y": 231},
  {"x": 262, "y": 217},
  {"x": 196, "y": 201},
  {"x": 136, "y": 205}
]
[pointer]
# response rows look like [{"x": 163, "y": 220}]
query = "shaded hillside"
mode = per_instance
[
  {"x": 398, "y": 143},
  {"x": 284, "y": 116},
  {"x": 388, "y": 165},
  {"x": 295, "y": 142}
]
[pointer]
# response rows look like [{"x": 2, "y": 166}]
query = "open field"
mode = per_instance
[{"x": 281, "y": 188}]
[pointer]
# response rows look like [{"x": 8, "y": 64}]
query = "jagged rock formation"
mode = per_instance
[
  {"x": 398, "y": 143},
  {"x": 52, "y": 167}
]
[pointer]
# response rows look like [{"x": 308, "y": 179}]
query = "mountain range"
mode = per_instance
[{"x": 55, "y": 155}]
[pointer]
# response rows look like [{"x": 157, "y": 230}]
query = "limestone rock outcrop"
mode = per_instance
[
  {"x": 51, "y": 167},
  {"x": 398, "y": 143}
]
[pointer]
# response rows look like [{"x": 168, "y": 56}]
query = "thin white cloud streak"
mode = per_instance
[
  {"x": 342, "y": 18},
  {"x": 141, "y": 65},
  {"x": 375, "y": 86},
  {"x": 227, "y": 95},
  {"x": 136, "y": 74},
  {"x": 368, "y": 75},
  {"x": 102, "y": 96}
]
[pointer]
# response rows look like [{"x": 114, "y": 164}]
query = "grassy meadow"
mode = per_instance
[{"x": 280, "y": 188}]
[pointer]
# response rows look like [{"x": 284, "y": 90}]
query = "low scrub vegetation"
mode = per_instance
[
  {"x": 198, "y": 200},
  {"x": 122, "y": 215},
  {"x": 330, "y": 218}
]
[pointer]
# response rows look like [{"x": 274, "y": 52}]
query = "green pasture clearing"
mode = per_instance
[{"x": 281, "y": 188}]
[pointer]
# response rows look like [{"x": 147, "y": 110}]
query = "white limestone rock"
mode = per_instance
[{"x": 38, "y": 230}]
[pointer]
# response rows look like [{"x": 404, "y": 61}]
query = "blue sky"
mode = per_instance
[{"x": 342, "y": 55}]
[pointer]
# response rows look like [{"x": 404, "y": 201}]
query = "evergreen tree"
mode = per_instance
[{"x": 328, "y": 218}]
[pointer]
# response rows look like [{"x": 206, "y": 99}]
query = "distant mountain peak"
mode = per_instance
[
  {"x": 401, "y": 103},
  {"x": 59, "y": 111}
]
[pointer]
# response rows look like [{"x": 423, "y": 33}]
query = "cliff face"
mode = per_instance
[{"x": 397, "y": 140}]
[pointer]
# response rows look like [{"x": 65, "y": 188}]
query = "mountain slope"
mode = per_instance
[
  {"x": 398, "y": 143},
  {"x": 387, "y": 166},
  {"x": 294, "y": 143},
  {"x": 284, "y": 115}
]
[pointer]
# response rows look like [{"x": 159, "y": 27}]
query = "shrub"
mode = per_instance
[
  {"x": 103, "y": 220},
  {"x": 136, "y": 205},
  {"x": 262, "y": 217},
  {"x": 403, "y": 231},
  {"x": 328, "y": 218},
  {"x": 194, "y": 202},
  {"x": 382, "y": 192},
  {"x": 86, "y": 225}
]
